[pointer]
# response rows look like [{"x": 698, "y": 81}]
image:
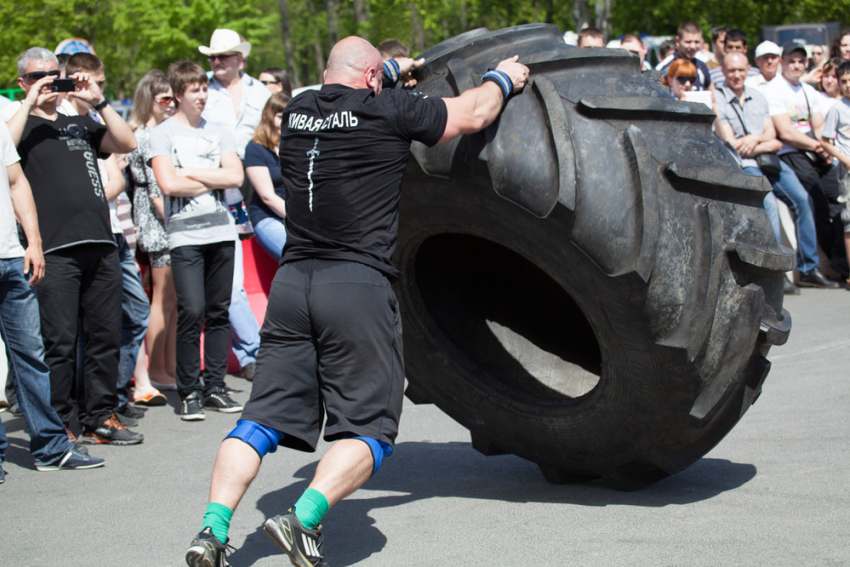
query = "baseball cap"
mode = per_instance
[
  {"x": 767, "y": 47},
  {"x": 792, "y": 47}
]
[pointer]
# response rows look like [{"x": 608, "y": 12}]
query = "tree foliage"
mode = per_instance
[{"x": 134, "y": 36}]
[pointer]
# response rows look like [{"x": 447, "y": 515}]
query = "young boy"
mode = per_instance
[
  {"x": 194, "y": 162},
  {"x": 836, "y": 140}
]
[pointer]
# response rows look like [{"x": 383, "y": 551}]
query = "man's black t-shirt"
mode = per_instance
[
  {"x": 342, "y": 153},
  {"x": 59, "y": 158}
]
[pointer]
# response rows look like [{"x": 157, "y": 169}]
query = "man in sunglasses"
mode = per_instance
[
  {"x": 82, "y": 272},
  {"x": 235, "y": 102}
]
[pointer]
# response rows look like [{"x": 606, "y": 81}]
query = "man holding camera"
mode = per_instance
[{"x": 82, "y": 274}]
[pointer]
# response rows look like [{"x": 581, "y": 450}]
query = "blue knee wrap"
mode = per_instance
[
  {"x": 380, "y": 450},
  {"x": 261, "y": 438}
]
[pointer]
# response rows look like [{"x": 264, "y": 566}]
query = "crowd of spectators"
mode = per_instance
[
  {"x": 781, "y": 118},
  {"x": 198, "y": 140},
  {"x": 72, "y": 164}
]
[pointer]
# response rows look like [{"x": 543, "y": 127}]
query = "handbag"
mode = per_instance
[{"x": 768, "y": 162}]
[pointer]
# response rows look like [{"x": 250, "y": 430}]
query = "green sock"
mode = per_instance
[
  {"x": 310, "y": 508},
  {"x": 217, "y": 518}
]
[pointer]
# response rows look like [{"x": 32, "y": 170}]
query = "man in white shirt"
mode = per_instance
[
  {"x": 768, "y": 57},
  {"x": 235, "y": 102},
  {"x": 796, "y": 113}
]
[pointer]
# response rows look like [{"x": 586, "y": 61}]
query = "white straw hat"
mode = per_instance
[{"x": 224, "y": 41}]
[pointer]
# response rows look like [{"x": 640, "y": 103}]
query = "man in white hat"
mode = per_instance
[
  {"x": 768, "y": 57},
  {"x": 235, "y": 102}
]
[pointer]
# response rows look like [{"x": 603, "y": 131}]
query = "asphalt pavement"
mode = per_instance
[{"x": 775, "y": 491}]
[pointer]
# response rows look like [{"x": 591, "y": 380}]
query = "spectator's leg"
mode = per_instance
[
  {"x": 163, "y": 325},
  {"x": 271, "y": 236},
  {"x": 218, "y": 282},
  {"x": 100, "y": 309},
  {"x": 832, "y": 189},
  {"x": 187, "y": 267},
  {"x": 58, "y": 303},
  {"x": 810, "y": 180},
  {"x": 21, "y": 330},
  {"x": 790, "y": 191},
  {"x": 244, "y": 330},
  {"x": 135, "y": 315}
]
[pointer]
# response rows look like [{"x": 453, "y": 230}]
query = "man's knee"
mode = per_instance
[
  {"x": 379, "y": 449},
  {"x": 262, "y": 439}
]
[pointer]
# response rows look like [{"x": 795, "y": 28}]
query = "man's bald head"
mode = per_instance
[
  {"x": 355, "y": 63},
  {"x": 735, "y": 59}
]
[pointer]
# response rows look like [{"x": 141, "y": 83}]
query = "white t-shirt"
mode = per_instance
[
  {"x": 10, "y": 246},
  {"x": 837, "y": 125},
  {"x": 219, "y": 110},
  {"x": 800, "y": 102},
  {"x": 203, "y": 219}
]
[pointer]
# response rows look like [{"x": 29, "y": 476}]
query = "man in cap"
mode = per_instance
[
  {"x": 235, "y": 102},
  {"x": 768, "y": 56},
  {"x": 796, "y": 113}
]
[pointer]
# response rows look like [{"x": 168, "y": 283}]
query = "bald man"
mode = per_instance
[
  {"x": 744, "y": 115},
  {"x": 331, "y": 341}
]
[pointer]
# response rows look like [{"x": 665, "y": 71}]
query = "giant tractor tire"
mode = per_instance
[{"x": 591, "y": 283}]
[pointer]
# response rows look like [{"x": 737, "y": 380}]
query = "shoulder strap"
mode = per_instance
[{"x": 732, "y": 104}]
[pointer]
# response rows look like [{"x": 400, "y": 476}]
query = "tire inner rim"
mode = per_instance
[{"x": 506, "y": 315}]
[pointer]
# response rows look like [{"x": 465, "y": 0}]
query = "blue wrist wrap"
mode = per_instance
[
  {"x": 500, "y": 78},
  {"x": 391, "y": 71}
]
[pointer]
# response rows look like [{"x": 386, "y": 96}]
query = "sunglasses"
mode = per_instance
[
  {"x": 684, "y": 80},
  {"x": 164, "y": 100},
  {"x": 270, "y": 82},
  {"x": 38, "y": 75},
  {"x": 221, "y": 57}
]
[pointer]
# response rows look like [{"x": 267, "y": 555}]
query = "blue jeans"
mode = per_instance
[
  {"x": 20, "y": 327},
  {"x": 244, "y": 330},
  {"x": 790, "y": 191},
  {"x": 271, "y": 236},
  {"x": 135, "y": 316}
]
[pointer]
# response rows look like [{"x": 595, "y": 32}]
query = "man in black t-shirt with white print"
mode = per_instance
[
  {"x": 82, "y": 274},
  {"x": 331, "y": 340}
]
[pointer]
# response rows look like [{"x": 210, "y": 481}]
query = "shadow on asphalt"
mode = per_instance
[{"x": 421, "y": 470}]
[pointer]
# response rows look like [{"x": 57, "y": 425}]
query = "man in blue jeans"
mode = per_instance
[
  {"x": 745, "y": 123},
  {"x": 20, "y": 324}
]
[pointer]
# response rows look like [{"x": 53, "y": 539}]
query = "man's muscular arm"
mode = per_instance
[{"x": 477, "y": 108}]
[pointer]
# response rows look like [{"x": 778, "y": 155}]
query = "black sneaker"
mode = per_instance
[
  {"x": 191, "y": 408},
  {"x": 112, "y": 432},
  {"x": 126, "y": 421},
  {"x": 73, "y": 460},
  {"x": 304, "y": 547},
  {"x": 219, "y": 400},
  {"x": 207, "y": 551},
  {"x": 2, "y": 475},
  {"x": 131, "y": 411},
  {"x": 77, "y": 443},
  {"x": 816, "y": 279}
]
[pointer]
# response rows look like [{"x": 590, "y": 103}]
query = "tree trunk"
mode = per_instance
[
  {"x": 361, "y": 18},
  {"x": 291, "y": 68},
  {"x": 418, "y": 31},
  {"x": 317, "y": 41},
  {"x": 333, "y": 23},
  {"x": 581, "y": 14},
  {"x": 603, "y": 17}
]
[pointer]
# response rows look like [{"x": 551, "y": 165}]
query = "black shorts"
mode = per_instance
[{"x": 331, "y": 342}]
